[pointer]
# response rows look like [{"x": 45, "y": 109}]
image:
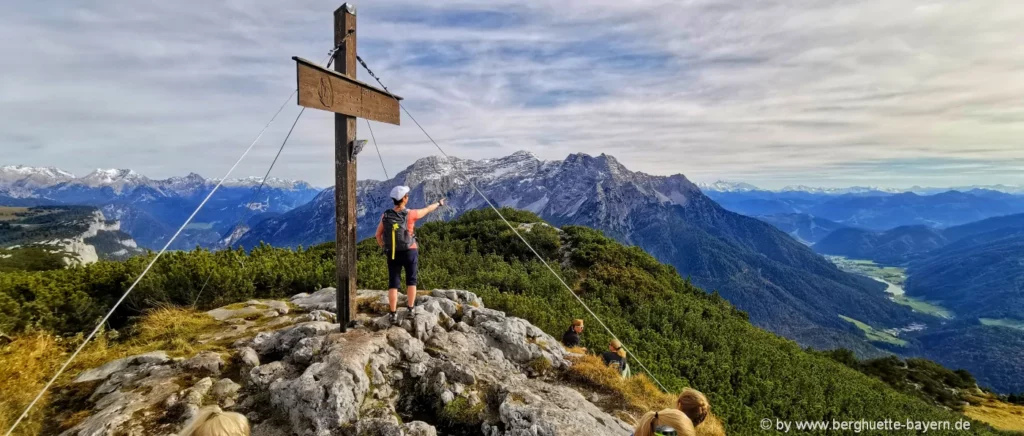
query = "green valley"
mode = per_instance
[{"x": 895, "y": 278}]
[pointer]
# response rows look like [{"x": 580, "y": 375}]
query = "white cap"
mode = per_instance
[{"x": 399, "y": 192}]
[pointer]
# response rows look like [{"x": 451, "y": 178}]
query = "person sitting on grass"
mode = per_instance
[
  {"x": 615, "y": 357},
  {"x": 396, "y": 235},
  {"x": 667, "y": 422},
  {"x": 211, "y": 421},
  {"x": 571, "y": 338}
]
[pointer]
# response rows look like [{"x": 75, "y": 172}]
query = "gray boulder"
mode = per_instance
[
  {"x": 264, "y": 375},
  {"x": 324, "y": 299},
  {"x": 248, "y": 358},
  {"x": 419, "y": 428},
  {"x": 205, "y": 363},
  {"x": 114, "y": 366}
]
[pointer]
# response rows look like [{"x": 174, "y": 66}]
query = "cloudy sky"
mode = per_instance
[{"x": 829, "y": 93}]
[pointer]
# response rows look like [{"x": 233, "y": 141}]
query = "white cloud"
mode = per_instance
[{"x": 831, "y": 92}]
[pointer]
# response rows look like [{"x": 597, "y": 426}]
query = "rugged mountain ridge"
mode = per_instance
[
  {"x": 803, "y": 227},
  {"x": 77, "y": 234},
  {"x": 151, "y": 210},
  {"x": 891, "y": 247},
  {"x": 874, "y": 209},
  {"x": 782, "y": 284},
  {"x": 905, "y": 244}
]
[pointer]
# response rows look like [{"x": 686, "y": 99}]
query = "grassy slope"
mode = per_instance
[
  {"x": 685, "y": 336},
  {"x": 874, "y": 334},
  {"x": 1004, "y": 416}
]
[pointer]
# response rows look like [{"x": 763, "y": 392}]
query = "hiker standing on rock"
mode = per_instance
[{"x": 396, "y": 234}]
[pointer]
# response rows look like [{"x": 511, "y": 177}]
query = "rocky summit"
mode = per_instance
[{"x": 451, "y": 366}]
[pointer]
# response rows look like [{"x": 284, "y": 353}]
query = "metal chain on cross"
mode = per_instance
[
  {"x": 331, "y": 52},
  {"x": 370, "y": 72}
]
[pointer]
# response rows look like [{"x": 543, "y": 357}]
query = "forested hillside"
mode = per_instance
[
  {"x": 686, "y": 336},
  {"x": 891, "y": 247}
]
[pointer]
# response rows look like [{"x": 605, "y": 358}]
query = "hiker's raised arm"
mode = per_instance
[{"x": 430, "y": 208}]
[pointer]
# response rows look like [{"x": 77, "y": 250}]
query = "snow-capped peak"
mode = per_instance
[
  {"x": 36, "y": 176},
  {"x": 272, "y": 182},
  {"x": 840, "y": 191},
  {"x": 114, "y": 178},
  {"x": 723, "y": 186}
]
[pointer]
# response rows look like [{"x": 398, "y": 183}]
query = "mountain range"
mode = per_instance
[
  {"x": 781, "y": 283},
  {"x": 152, "y": 210},
  {"x": 763, "y": 265},
  {"x": 901, "y": 245},
  {"x": 874, "y": 209},
  {"x": 725, "y": 186},
  {"x": 803, "y": 227}
]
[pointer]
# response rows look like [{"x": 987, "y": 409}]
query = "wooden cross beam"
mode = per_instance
[{"x": 338, "y": 91}]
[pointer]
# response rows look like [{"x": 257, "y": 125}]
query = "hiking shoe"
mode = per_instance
[
  {"x": 393, "y": 317},
  {"x": 409, "y": 312}
]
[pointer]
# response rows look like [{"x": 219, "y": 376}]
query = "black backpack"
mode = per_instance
[{"x": 396, "y": 231}]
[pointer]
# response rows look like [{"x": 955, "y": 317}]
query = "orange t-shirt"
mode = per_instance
[{"x": 411, "y": 217}]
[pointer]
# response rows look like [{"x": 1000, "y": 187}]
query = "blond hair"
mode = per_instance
[
  {"x": 577, "y": 323},
  {"x": 694, "y": 404},
  {"x": 211, "y": 421},
  {"x": 617, "y": 347},
  {"x": 668, "y": 417}
]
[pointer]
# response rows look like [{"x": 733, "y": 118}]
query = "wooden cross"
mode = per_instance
[{"x": 338, "y": 91}]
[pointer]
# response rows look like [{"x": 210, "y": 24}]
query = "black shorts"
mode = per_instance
[{"x": 408, "y": 260}]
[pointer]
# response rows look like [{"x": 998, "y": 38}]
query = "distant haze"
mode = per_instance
[{"x": 828, "y": 93}]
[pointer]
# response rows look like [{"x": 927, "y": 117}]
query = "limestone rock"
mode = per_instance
[
  {"x": 378, "y": 427},
  {"x": 320, "y": 315},
  {"x": 324, "y": 299},
  {"x": 225, "y": 391},
  {"x": 114, "y": 366},
  {"x": 419, "y": 428},
  {"x": 248, "y": 358},
  {"x": 302, "y": 376},
  {"x": 225, "y": 388},
  {"x": 306, "y": 349},
  {"x": 207, "y": 363},
  {"x": 285, "y": 340},
  {"x": 279, "y": 306},
  {"x": 264, "y": 375}
]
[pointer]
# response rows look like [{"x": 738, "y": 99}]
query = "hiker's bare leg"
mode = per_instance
[
  {"x": 393, "y": 299},
  {"x": 410, "y": 294}
]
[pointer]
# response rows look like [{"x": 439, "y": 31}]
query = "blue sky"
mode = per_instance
[{"x": 828, "y": 93}]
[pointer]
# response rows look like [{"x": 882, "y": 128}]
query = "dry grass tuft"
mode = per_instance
[
  {"x": 25, "y": 366},
  {"x": 711, "y": 427},
  {"x": 637, "y": 394},
  {"x": 632, "y": 396},
  {"x": 28, "y": 362},
  {"x": 998, "y": 414},
  {"x": 576, "y": 350}
]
